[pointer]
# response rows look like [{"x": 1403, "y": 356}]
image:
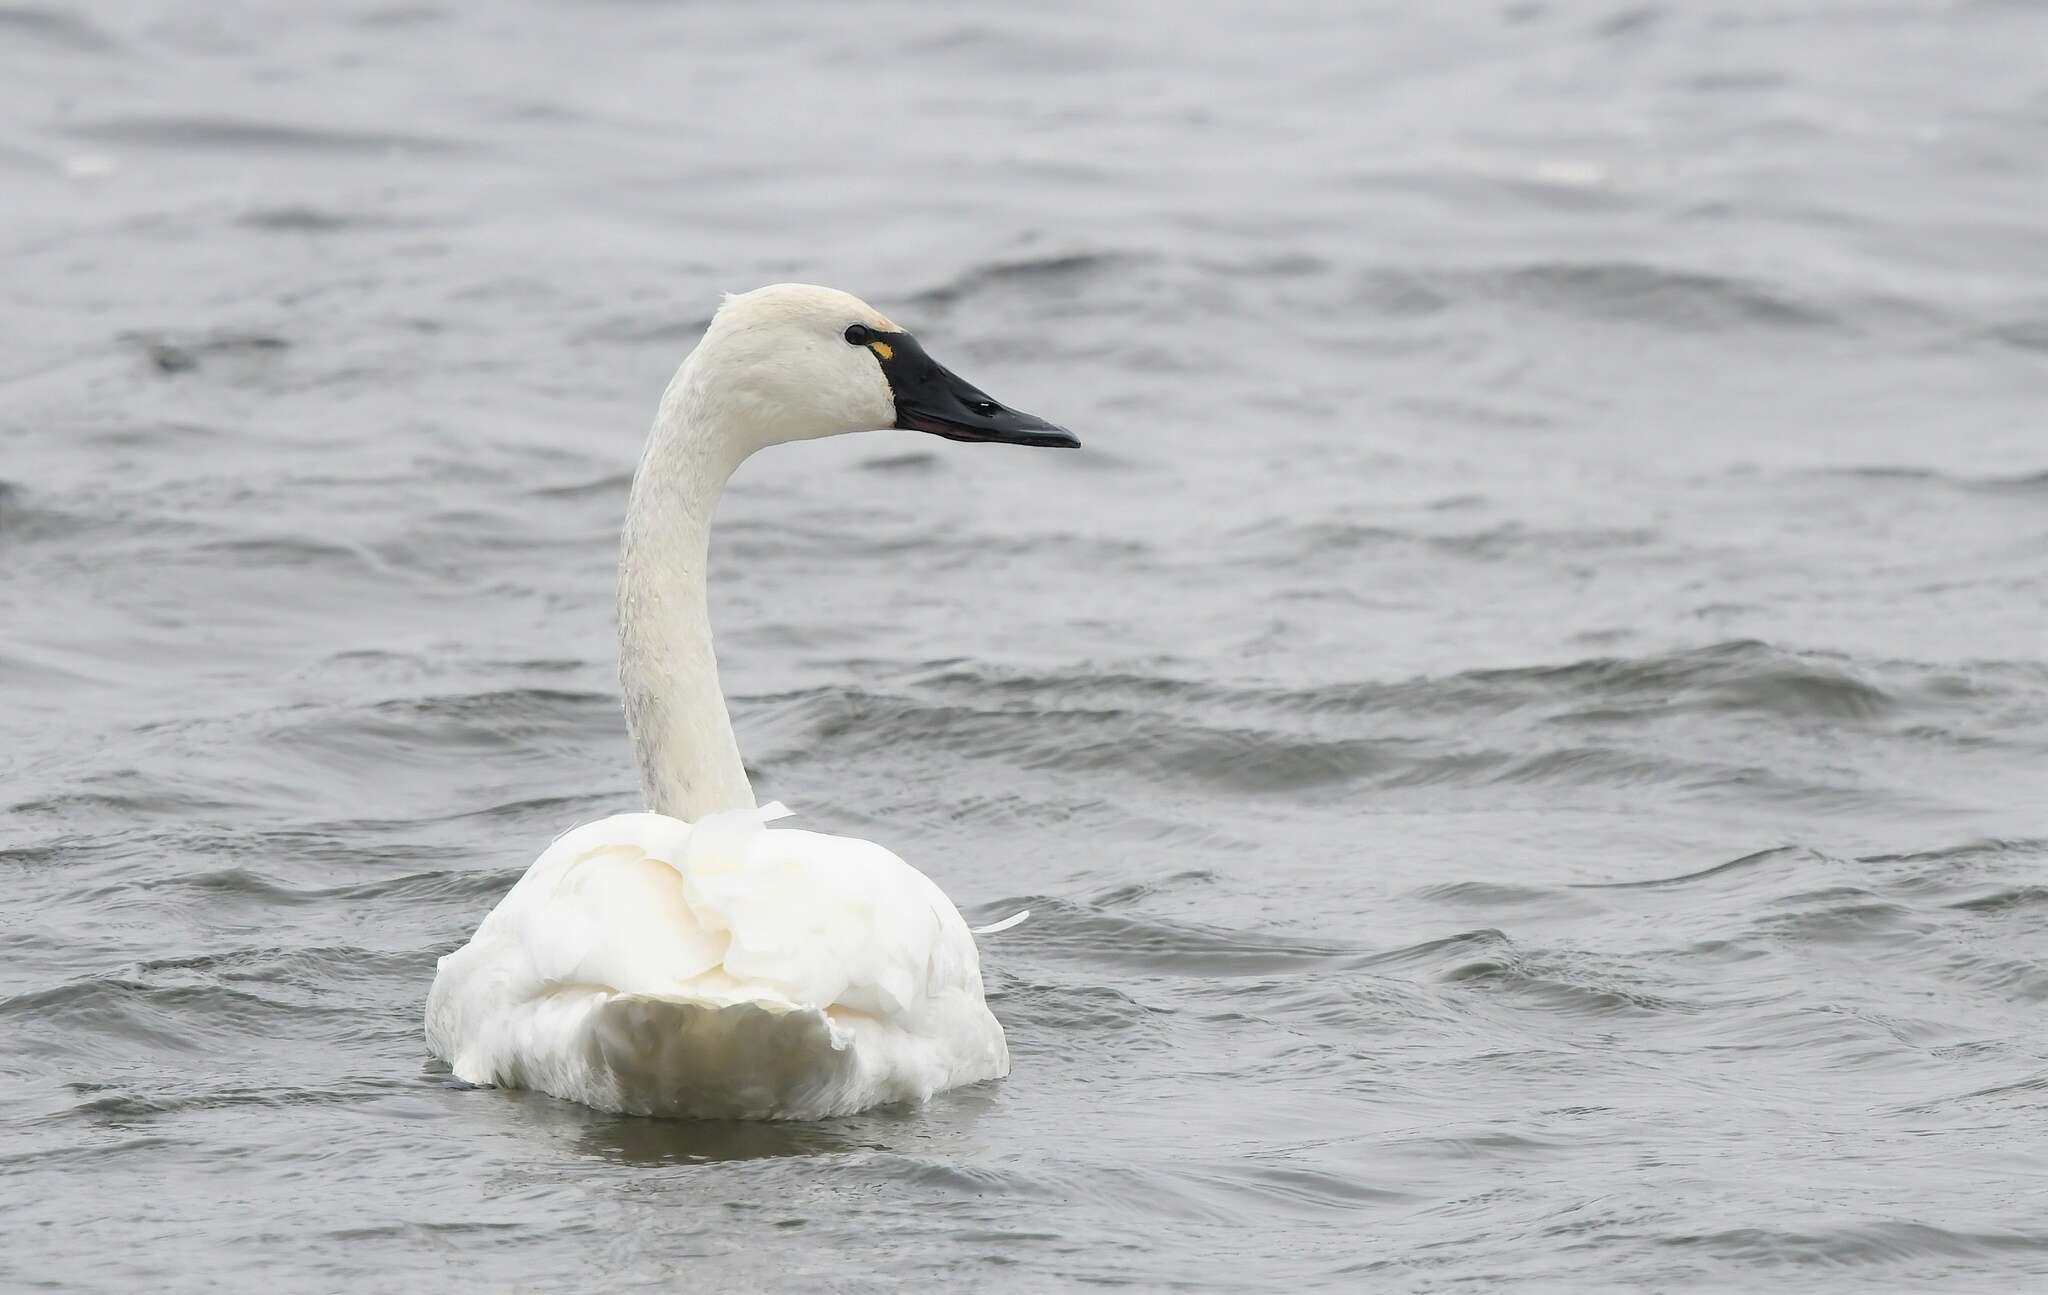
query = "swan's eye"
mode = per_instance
[
  {"x": 986, "y": 408},
  {"x": 859, "y": 335}
]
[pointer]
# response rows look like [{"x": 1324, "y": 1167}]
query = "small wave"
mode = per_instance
[
  {"x": 1056, "y": 273},
  {"x": 836, "y": 721},
  {"x": 610, "y": 486},
  {"x": 245, "y": 135},
  {"x": 918, "y": 462},
  {"x": 1787, "y": 855},
  {"x": 402, "y": 14},
  {"x": 2029, "y": 334},
  {"x": 957, "y": 1177},
  {"x": 285, "y": 551},
  {"x": 2024, "y": 484},
  {"x": 24, "y": 520},
  {"x": 2028, "y": 1089},
  {"x": 315, "y": 969},
  {"x": 103, "y": 806},
  {"x": 1408, "y": 734},
  {"x": 1067, "y": 928},
  {"x": 1566, "y": 983},
  {"x": 497, "y": 704},
  {"x": 1681, "y": 299},
  {"x": 423, "y": 730},
  {"x": 1839, "y": 915},
  {"x": 553, "y": 812},
  {"x": 113, "y": 1014},
  {"x": 1131, "y": 893},
  {"x": 125, "y": 1108},
  {"x": 251, "y": 884},
  {"x": 1969, "y": 853},
  {"x": 1494, "y": 898},
  {"x": 1011, "y": 49},
  {"x": 1291, "y": 1188},
  {"x": 1731, "y": 676},
  {"x": 47, "y": 853},
  {"x": 301, "y": 219},
  {"x": 1263, "y": 268},
  {"x": 1447, "y": 958},
  {"x": 84, "y": 1158},
  {"x": 662, "y": 328},
  {"x": 54, "y": 27},
  {"x": 1287, "y": 541},
  {"x": 1862, "y": 1244},
  {"x": 2008, "y": 976},
  {"x": 171, "y": 354},
  {"x": 416, "y": 1229},
  {"x": 2005, "y": 899},
  {"x": 861, "y": 538},
  {"x": 1064, "y": 1016}
]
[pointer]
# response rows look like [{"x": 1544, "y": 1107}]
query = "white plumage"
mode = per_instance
[
  {"x": 693, "y": 961},
  {"x": 724, "y": 969}
]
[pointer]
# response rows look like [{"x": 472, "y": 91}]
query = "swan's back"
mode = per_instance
[{"x": 719, "y": 969}]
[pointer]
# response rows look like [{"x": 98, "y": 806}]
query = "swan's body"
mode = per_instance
[
  {"x": 726, "y": 969},
  {"x": 693, "y": 961}
]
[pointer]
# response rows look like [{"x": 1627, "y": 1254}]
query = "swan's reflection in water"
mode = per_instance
[
  {"x": 639, "y": 1140},
  {"x": 944, "y": 1126}
]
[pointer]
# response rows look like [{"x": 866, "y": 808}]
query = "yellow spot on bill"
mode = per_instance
[{"x": 883, "y": 349}]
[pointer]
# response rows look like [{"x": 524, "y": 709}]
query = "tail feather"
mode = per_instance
[{"x": 742, "y": 1061}]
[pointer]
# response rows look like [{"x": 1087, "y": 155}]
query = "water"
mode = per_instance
[{"x": 1525, "y": 730}]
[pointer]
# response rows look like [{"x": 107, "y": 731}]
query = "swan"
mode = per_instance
[{"x": 692, "y": 960}]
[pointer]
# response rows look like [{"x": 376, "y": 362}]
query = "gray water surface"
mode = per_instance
[{"x": 1525, "y": 731}]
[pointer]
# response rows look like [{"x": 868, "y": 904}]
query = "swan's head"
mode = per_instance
[{"x": 792, "y": 362}]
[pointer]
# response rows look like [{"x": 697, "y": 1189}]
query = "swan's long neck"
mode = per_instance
[{"x": 682, "y": 735}]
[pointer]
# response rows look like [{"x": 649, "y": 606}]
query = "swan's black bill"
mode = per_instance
[{"x": 932, "y": 398}]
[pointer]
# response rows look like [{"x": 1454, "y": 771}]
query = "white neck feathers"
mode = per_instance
[{"x": 675, "y": 711}]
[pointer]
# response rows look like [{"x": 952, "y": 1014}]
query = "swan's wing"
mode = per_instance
[
  {"x": 832, "y": 922},
  {"x": 602, "y": 908},
  {"x": 727, "y": 911}
]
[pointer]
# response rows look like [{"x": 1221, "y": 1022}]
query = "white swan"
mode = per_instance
[{"x": 691, "y": 961}]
